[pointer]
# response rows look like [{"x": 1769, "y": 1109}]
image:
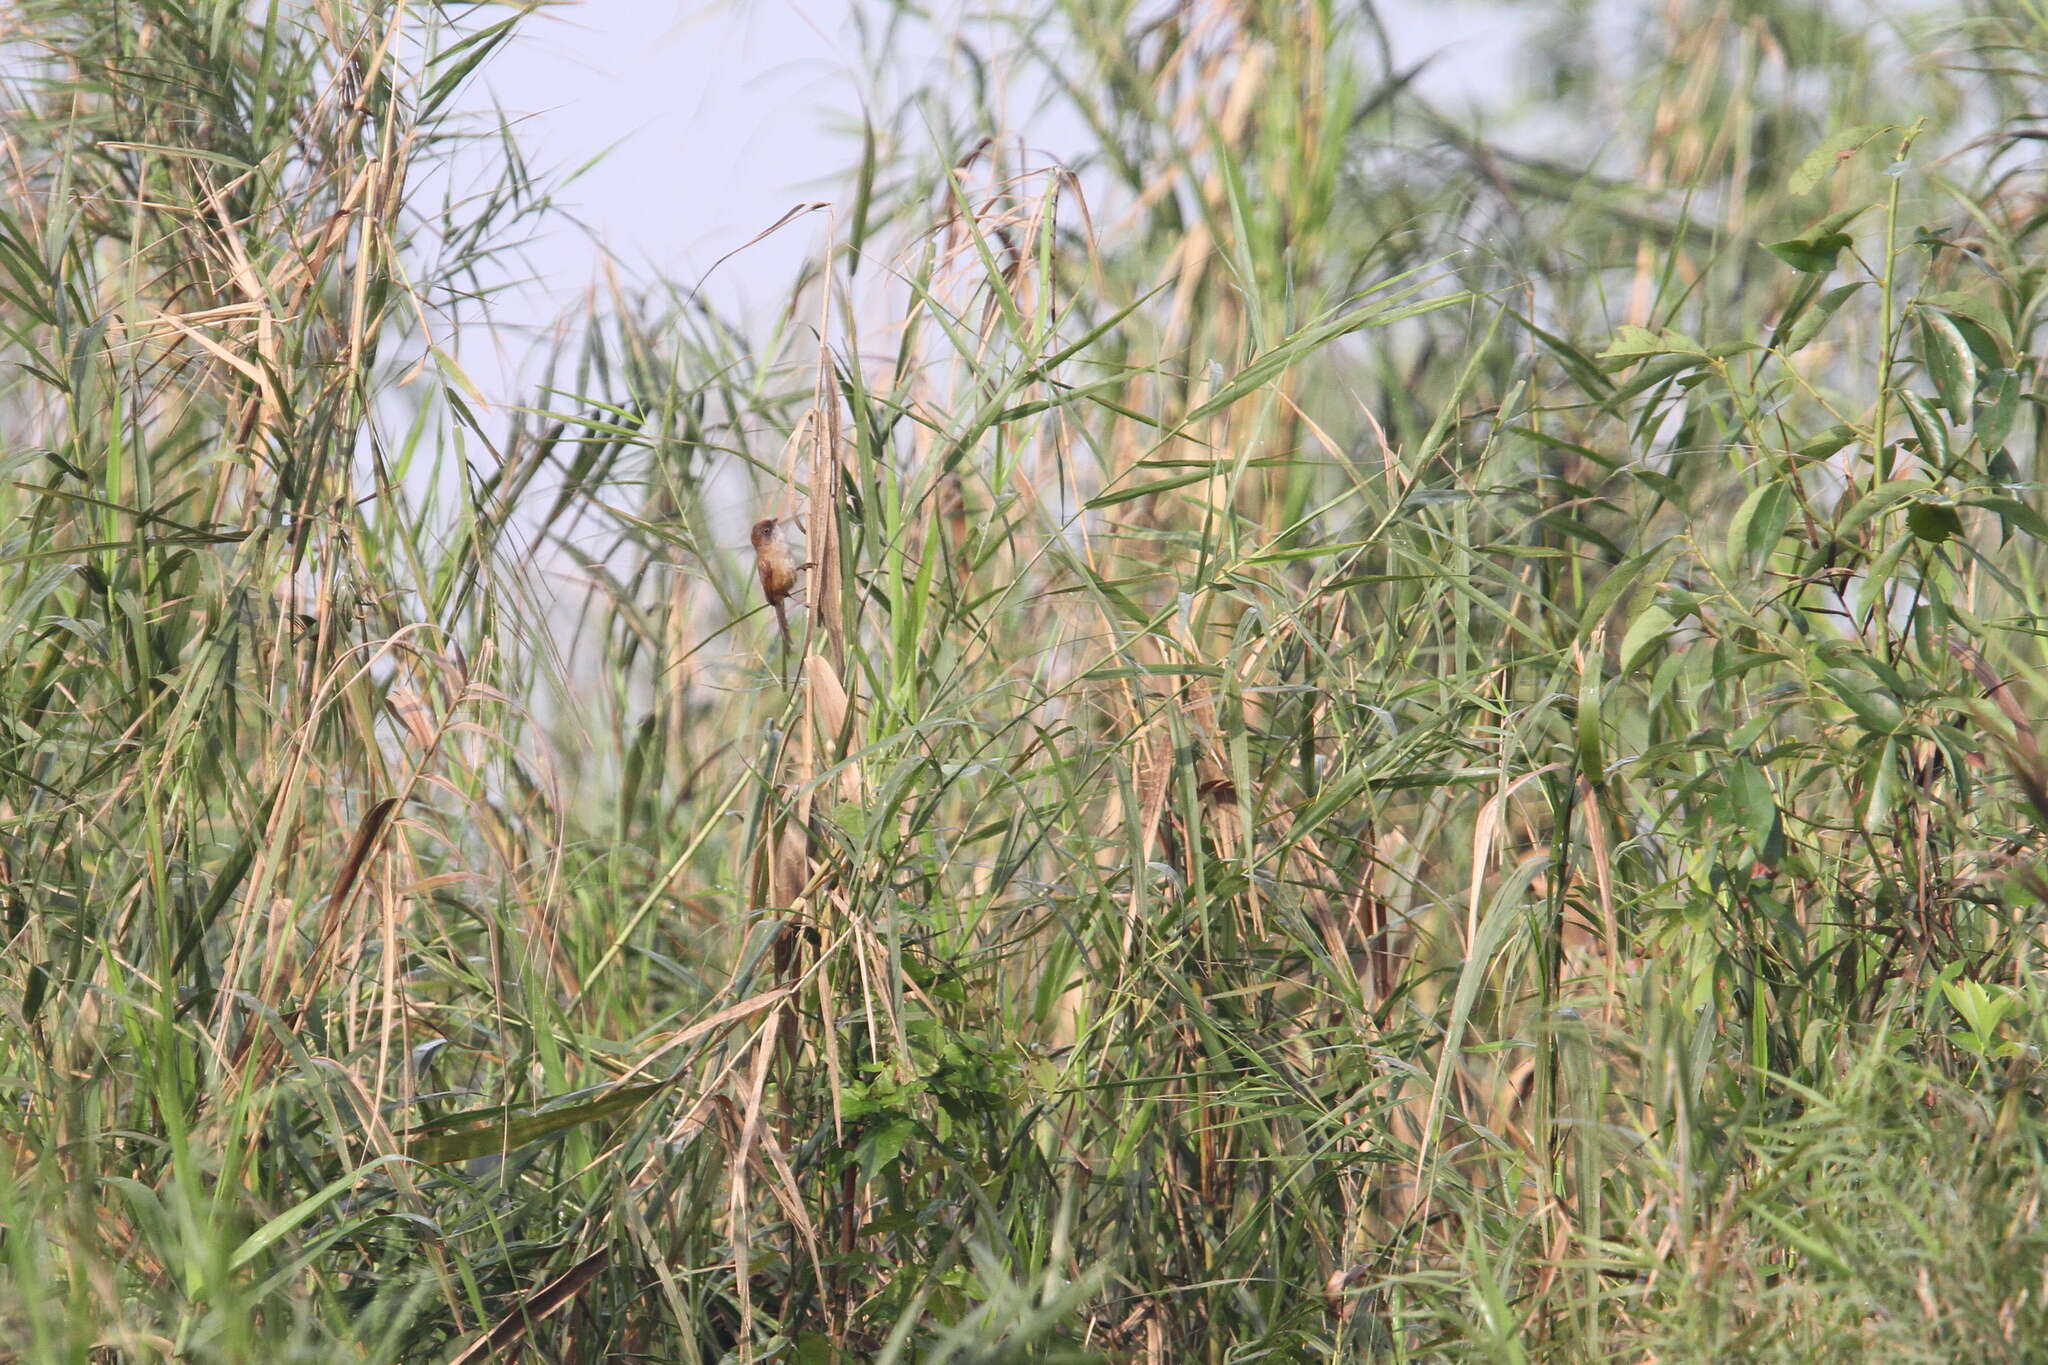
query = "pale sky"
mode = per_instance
[{"x": 703, "y": 121}]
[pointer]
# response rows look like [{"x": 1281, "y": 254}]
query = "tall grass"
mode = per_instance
[{"x": 1394, "y": 748}]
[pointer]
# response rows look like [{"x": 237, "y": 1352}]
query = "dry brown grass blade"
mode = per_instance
[
  {"x": 749, "y": 1144},
  {"x": 1151, "y": 780},
  {"x": 1603, "y": 880},
  {"x": 2000, "y": 691},
  {"x": 415, "y": 715},
  {"x": 827, "y": 453},
  {"x": 368, "y": 832},
  {"x": 798, "y": 211},
  {"x": 1152, "y": 777},
  {"x": 789, "y": 863},
  {"x": 719, "y": 1020},
  {"x": 542, "y": 1304},
  {"x": 833, "y": 722},
  {"x": 287, "y": 977}
]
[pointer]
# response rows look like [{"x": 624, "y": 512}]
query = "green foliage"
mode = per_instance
[{"x": 1392, "y": 749}]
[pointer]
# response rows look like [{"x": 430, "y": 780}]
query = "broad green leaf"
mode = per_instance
[
  {"x": 1650, "y": 629},
  {"x": 1820, "y": 163},
  {"x": 1759, "y": 522},
  {"x": 1659, "y": 370},
  {"x": 1814, "y": 250},
  {"x": 1755, "y": 806},
  {"x": 1933, "y": 522},
  {"x": 1880, "y": 777},
  {"x": 1618, "y": 581},
  {"x": 1820, "y": 447},
  {"x": 1979, "y": 320},
  {"x": 1811, "y": 255},
  {"x": 2011, "y": 514},
  {"x": 1950, "y": 363},
  {"x": 884, "y": 1143},
  {"x": 501, "y": 1132},
  {"x": 1929, "y": 431},
  {"x": 1876, "y": 502},
  {"x": 1808, "y": 324},
  {"x": 253, "y": 1245},
  {"x": 1995, "y": 418},
  {"x": 1633, "y": 343},
  {"x": 1877, "y": 709}
]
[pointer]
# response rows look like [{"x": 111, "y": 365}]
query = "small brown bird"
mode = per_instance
[{"x": 778, "y": 569}]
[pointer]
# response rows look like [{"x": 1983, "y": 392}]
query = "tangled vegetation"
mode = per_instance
[{"x": 1391, "y": 748}]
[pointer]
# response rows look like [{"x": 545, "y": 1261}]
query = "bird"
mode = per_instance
[{"x": 778, "y": 569}]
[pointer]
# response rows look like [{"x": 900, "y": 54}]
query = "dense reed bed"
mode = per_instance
[{"x": 1391, "y": 748}]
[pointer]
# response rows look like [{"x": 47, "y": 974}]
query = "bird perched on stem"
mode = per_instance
[{"x": 778, "y": 569}]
